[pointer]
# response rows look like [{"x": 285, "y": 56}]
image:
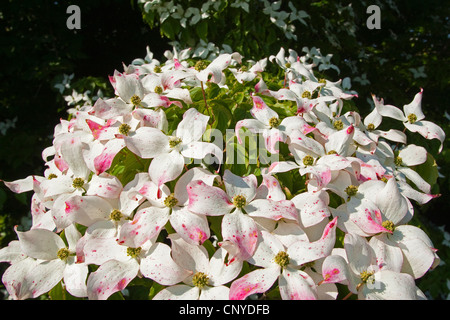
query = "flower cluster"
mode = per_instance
[{"x": 145, "y": 185}]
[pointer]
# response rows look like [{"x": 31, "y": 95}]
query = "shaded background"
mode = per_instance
[{"x": 36, "y": 48}]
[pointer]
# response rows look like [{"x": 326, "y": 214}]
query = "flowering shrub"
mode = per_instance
[{"x": 227, "y": 179}]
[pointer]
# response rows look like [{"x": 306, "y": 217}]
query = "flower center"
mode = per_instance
[
  {"x": 135, "y": 100},
  {"x": 158, "y": 89},
  {"x": 124, "y": 129},
  {"x": 306, "y": 95},
  {"x": 134, "y": 252},
  {"x": 370, "y": 127},
  {"x": 170, "y": 201},
  {"x": 274, "y": 122},
  {"x": 201, "y": 65},
  {"x": 239, "y": 201},
  {"x": 332, "y": 152},
  {"x": 308, "y": 160},
  {"x": 157, "y": 69},
  {"x": 351, "y": 190},
  {"x": 389, "y": 225},
  {"x": 200, "y": 280},
  {"x": 412, "y": 118},
  {"x": 52, "y": 176},
  {"x": 174, "y": 141},
  {"x": 282, "y": 259},
  {"x": 78, "y": 183},
  {"x": 398, "y": 161},
  {"x": 63, "y": 254},
  {"x": 115, "y": 215},
  {"x": 338, "y": 124},
  {"x": 365, "y": 275}
]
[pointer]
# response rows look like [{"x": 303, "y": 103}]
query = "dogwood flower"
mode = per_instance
[
  {"x": 237, "y": 227},
  {"x": 166, "y": 206},
  {"x": 357, "y": 268},
  {"x": 280, "y": 262},
  {"x": 413, "y": 118},
  {"x": 168, "y": 152},
  {"x": 54, "y": 262},
  {"x": 206, "y": 277}
]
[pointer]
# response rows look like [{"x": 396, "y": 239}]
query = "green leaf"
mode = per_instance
[
  {"x": 222, "y": 115},
  {"x": 116, "y": 296},
  {"x": 58, "y": 292},
  {"x": 428, "y": 170},
  {"x": 202, "y": 30}
]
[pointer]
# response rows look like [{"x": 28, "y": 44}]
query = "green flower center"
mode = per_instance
[
  {"x": 52, "y": 176},
  {"x": 322, "y": 80},
  {"x": 200, "y": 280},
  {"x": 370, "y": 127},
  {"x": 134, "y": 252},
  {"x": 365, "y": 275},
  {"x": 135, "y": 100},
  {"x": 389, "y": 225},
  {"x": 306, "y": 95},
  {"x": 282, "y": 259},
  {"x": 239, "y": 201},
  {"x": 78, "y": 183},
  {"x": 63, "y": 254},
  {"x": 412, "y": 118},
  {"x": 124, "y": 129},
  {"x": 274, "y": 122},
  {"x": 332, "y": 152},
  {"x": 157, "y": 69},
  {"x": 170, "y": 201},
  {"x": 174, "y": 141},
  {"x": 158, "y": 89},
  {"x": 115, "y": 215},
  {"x": 308, "y": 160},
  {"x": 287, "y": 65},
  {"x": 351, "y": 190},
  {"x": 201, "y": 65},
  {"x": 398, "y": 161},
  {"x": 338, "y": 124}
]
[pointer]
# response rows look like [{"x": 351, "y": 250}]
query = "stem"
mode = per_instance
[
  {"x": 348, "y": 296},
  {"x": 211, "y": 114}
]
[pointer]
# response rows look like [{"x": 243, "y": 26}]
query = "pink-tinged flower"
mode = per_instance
[
  {"x": 152, "y": 260},
  {"x": 267, "y": 122},
  {"x": 47, "y": 262},
  {"x": 316, "y": 160},
  {"x": 168, "y": 152},
  {"x": 373, "y": 207},
  {"x": 237, "y": 227},
  {"x": 106, "y": 200},
  {"x": 281, "y": 262},
  {"x": 413, "y": 118},
  {"x": 313, "y": 207},
  {"x": 168, "y": 206},
  {"x": 356, "y": 267},
  {"x": 206, "y": 277}
]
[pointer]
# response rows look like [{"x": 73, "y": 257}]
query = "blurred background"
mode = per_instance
[{"x": 46, "y": 68}]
